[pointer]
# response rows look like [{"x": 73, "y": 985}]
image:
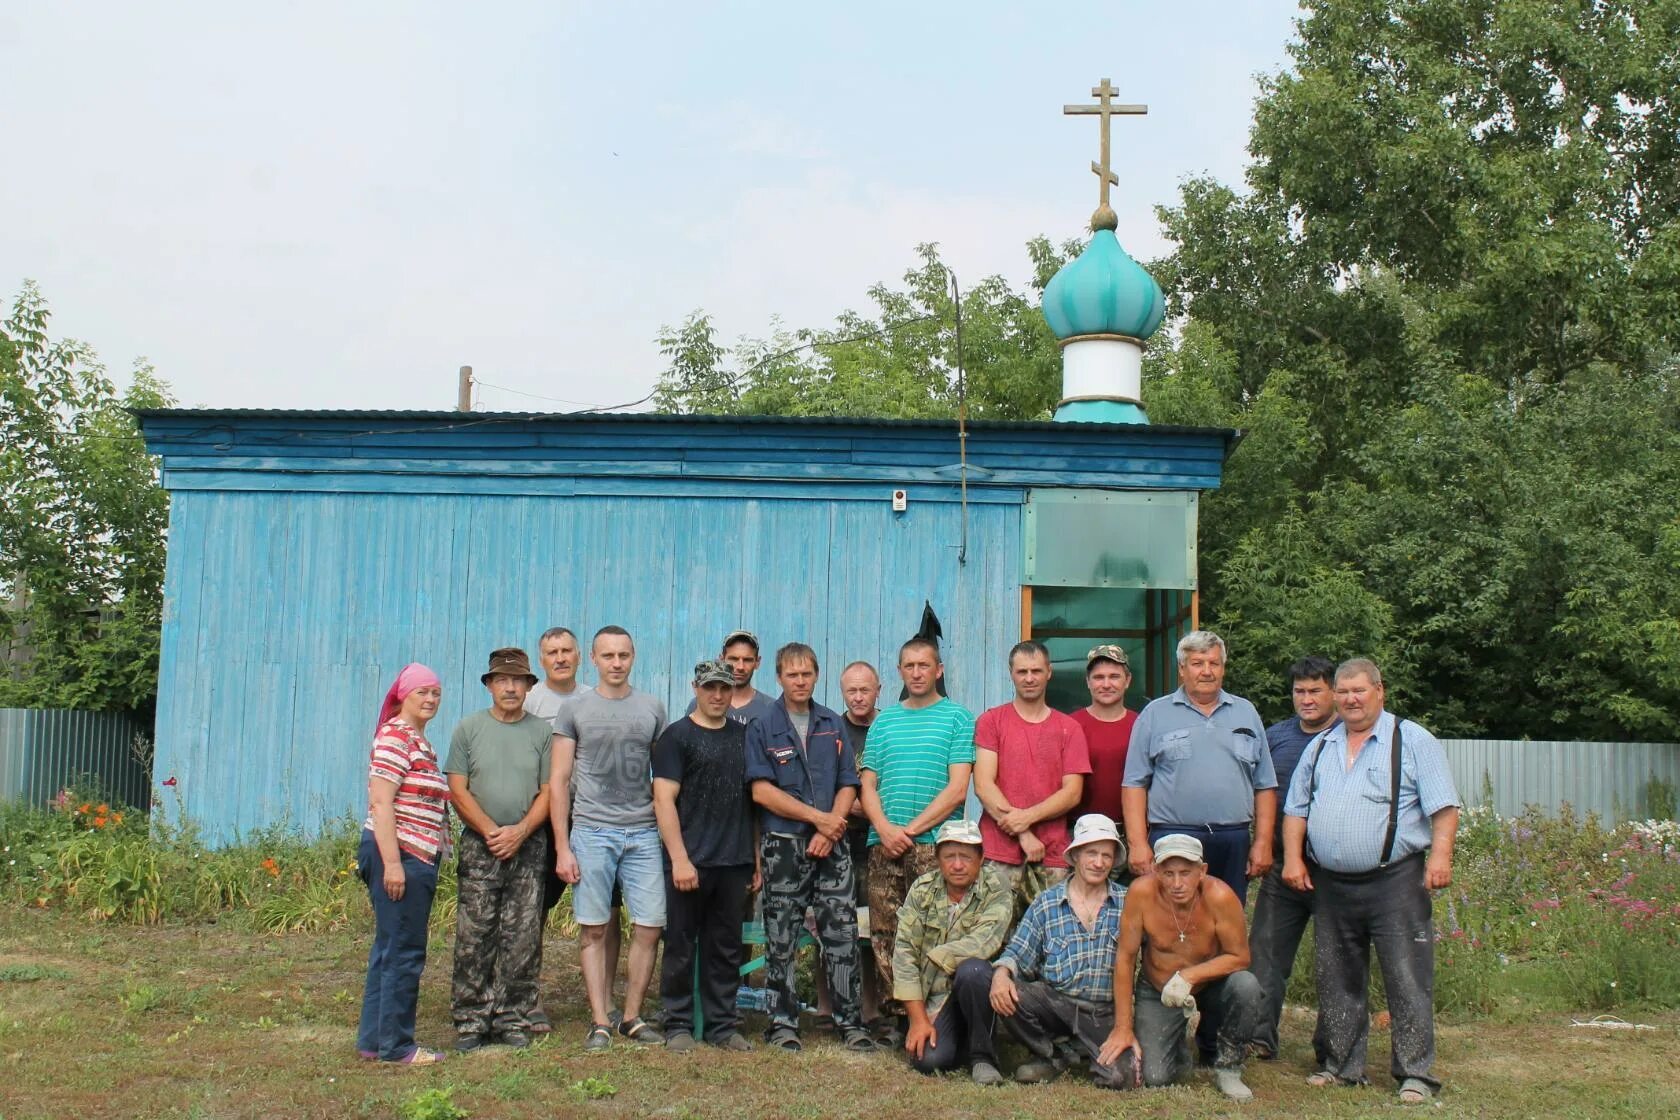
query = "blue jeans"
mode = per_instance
[
  {"x": 391, "y": 994},
  {"x": 634, "y": 859}
]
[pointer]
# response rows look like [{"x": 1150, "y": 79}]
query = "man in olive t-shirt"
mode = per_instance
[{"x": 498, "y": 781}]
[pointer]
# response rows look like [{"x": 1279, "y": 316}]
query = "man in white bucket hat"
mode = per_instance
[
  {"x": 950, "y": 924},
  {"x": 1056, "y": 978}
]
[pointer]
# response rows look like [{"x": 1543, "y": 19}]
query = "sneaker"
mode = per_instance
[
  {"x": 1230, "y": 1082},
  {"x": 517, "y": 1039},
  {"x": 467, "y": 1043},
  {"x": 985, "y": 1073},
  {"x": 598, "y": 1038},
  {"x": 1036, "y": 1072},
  {"x": 679, "y": 1040},
  {"x": 735, "y": 1041}
]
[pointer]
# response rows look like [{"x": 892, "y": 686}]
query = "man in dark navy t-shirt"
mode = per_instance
[{"x": 1281, "y": 914}]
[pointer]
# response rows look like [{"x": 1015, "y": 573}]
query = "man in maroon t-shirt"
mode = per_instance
[
  {"x": 1107, "y": 724},
  {"x": 1029, "y": 772}
]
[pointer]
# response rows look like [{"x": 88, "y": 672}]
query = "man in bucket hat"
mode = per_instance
[
  {"x": 950, "y": 923},
  {"x": 1189, "y": 928},
  {"x": 498, "y": 782},
  {"x": 1056, "y": 978}
]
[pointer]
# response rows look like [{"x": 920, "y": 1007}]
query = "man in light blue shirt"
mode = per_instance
[
  {"x": 1199, "y": 765},
  {"x": 1369, "y": 827}
]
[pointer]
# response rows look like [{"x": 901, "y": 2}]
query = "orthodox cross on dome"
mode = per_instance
[{"x": 1105, "y": 110}]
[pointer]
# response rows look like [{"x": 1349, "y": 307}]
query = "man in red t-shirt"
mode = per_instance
[
  {"x": 1029, "y": 772},
  {"x": 1107, "y": 724}
]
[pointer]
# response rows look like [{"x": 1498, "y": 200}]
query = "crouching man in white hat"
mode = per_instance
[
  {"x": 949, "y": 926},
  {"x": 1189, "y": 927},
  {"x": 1056, "y": 978}
]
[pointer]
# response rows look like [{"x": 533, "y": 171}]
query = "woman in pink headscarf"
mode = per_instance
[{"x": 403, "y": 838}]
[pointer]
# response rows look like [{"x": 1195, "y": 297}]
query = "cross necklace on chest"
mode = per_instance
[{"x": 1182, "y": 928}]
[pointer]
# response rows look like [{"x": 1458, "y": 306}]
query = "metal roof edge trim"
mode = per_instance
[{"x": 1229, "y": 435}]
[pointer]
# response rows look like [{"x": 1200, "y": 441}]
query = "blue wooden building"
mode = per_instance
[{"x": 311, "y": 554}]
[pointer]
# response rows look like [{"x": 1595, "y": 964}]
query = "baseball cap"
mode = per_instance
[
  {"x": 1108, "y": 653},
  {"x": 741, "y": 636},
  {"x": 958, "y": 831},
  {"x": 1093, "y": 827},
  {"x": 1176, "y": 845},
  {"x": 715, "y": 671}
]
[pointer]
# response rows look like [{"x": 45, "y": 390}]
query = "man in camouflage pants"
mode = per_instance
[
  {"x": 498, "y": 782},
  {"x": 804, "y": 781}
]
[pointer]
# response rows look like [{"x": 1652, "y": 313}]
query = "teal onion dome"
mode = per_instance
[{"x": 1103, "y": 291}]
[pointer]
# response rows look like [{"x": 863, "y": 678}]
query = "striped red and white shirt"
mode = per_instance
[{"x": 402, "y": 757}]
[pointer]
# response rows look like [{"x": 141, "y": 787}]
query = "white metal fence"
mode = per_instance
[{"x": 1610, "y": 779}]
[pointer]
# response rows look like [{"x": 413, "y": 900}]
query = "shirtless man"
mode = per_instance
[{"x": 1195, "y": 955}]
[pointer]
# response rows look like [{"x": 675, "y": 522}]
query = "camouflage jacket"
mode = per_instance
[{"x": 933, "y": 939}]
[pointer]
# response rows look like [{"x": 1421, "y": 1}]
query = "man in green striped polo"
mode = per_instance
[{"x": 917, "y": 762}]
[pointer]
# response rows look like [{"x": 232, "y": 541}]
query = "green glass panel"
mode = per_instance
[
  {"x": 1146, "y": 623},
  {"x": 1110, "y": 538}
]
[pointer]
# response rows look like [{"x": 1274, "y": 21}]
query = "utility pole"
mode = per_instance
[{"x": 463, "y": 393}]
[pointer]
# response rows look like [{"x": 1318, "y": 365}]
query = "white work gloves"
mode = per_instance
[{"x": 1176, "y": 993}]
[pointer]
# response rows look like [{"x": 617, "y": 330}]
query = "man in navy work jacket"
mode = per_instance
[
  {"x": 1369, "y": 828},
  {"x": 804, "y": 781},
  {"x": 1282, "y": 914}
]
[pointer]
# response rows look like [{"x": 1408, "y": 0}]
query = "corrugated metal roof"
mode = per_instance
[{"x": 382, "y": 416}]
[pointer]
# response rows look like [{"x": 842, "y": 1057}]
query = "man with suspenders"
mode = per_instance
[{"x": 1369, "y": 826}]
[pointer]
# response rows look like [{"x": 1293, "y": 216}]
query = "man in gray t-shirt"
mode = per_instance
[
  {"x": 601, "y": 806},
  {"x": 558, "y": 657},
  {"x": 557, "y": 652}
]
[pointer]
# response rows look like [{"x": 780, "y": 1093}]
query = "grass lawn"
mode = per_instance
[{"x": 216, "y": 1021}]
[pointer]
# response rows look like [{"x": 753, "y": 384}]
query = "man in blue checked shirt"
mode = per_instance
[
  {"x": 1056, "y": 977},
  {"x": 1369, "y": 827}
]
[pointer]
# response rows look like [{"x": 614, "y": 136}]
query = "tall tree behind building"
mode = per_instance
[{"x": 1446, "y": 307}]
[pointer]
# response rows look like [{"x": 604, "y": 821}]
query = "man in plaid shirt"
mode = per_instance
[{"x": 1056, "y": 978}]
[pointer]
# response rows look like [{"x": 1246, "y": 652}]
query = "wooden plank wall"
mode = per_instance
[{"x": 287, "y": 614}]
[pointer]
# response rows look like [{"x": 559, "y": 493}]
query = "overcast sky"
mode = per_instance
[{"x": 337, "y": 205}]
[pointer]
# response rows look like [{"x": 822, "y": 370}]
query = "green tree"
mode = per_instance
[
  {"x": 1444, "y": 313},
  {"x": 82, "y": 522},
  {"x": 899, "y": 360}
]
